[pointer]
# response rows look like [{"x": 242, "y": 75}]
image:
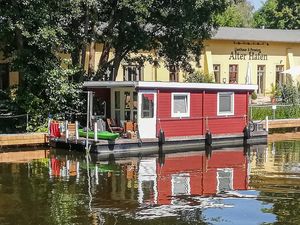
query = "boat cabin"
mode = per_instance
[{"x": 179, "y": 109}]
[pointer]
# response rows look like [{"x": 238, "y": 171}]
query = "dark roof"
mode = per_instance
[{"x": 254, "y": 34}]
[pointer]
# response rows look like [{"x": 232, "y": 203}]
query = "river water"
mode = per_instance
[{"x": 260, "y": 185}]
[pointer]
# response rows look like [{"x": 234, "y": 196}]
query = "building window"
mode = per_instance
[
  {"x": 279, "y": 75},
  {"x": 133, "y": 73},
  {"x": 174, "y": 73},
  {"x": 233, "y": 74},
  {"x": 260, "y": 78},
  {"x": 217, "y": 72},
  {"x": 117, "y": 106},
  {"x": 225, "y": 103},
  {"x": 180, "y": 104},
  {"x": 4, "y": 76},
  {"x": 147, "y": 105},
  {"x": 224, "y": 180}
]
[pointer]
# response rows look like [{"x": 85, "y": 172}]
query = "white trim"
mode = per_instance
[
  {"x": 178, "y": 114},
  {"x": 232, "y": 105},
  {"x": 169, "y": 85}
]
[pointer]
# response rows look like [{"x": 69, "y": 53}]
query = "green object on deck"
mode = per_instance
[{"x": 101, "y": 135}]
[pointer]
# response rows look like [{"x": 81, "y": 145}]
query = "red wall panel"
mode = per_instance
[
  {"x": 202, "y": 172},
  {"x": 199, "y": 109}
]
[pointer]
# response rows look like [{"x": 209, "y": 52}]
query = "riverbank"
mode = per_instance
[{"x": 23, "y": 139}]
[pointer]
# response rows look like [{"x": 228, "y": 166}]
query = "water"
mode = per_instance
[{"x": 230, "y": 186}]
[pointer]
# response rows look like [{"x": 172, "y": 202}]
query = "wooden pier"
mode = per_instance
[{"x": 29, "y": 139}]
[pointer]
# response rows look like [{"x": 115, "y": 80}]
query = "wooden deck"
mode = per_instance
[
  {"x": 29, "y": 139},
  {"x": 284, "y": 123},
  {"x": 284, "y": 136}
]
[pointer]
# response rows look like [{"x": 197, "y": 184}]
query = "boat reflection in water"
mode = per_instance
[{"x": 194, "y": 186}]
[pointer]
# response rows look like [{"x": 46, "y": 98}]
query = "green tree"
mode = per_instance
[
  {"x": 32, "y": 34},
  {"x": 238, "y": 14},
  {"x": 174, "y": 29},
  {"x": 198, "y": 77},
  {"x": 278, "y": 14}
]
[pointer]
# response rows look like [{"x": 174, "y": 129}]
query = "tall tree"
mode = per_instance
[
  {"x": 279, "y": 14},
  {"x": 175, "y": 29},
  {"x": 32, "y": 34},
  {"x": 238, "y": 14}
]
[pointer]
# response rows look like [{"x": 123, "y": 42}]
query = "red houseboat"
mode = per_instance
[
  {"x": 170, "y": 114},
  {"x": 180, "y": 112}
]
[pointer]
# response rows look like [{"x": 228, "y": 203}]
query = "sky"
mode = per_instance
[{"x": 257, "y": 3}]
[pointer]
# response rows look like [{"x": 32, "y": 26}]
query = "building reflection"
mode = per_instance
[{"x": 193, "y": 174}]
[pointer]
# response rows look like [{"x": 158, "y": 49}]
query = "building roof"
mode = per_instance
[
  {"x": 254, "y": 34},
  {"x": 168, "y": 85}
]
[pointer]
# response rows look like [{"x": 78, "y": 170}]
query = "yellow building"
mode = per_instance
[
  {"x": 231, "y": 52},
  {"x": 266, "y": 52}
]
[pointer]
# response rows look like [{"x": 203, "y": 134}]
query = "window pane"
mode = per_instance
[
  {"x": 225, "y": 102},
  {"x": 134, "y": 100},
  {"x": 117, "y": 100},
  {"x": 127, "y": 115},
  {"x": 224, "y": 180},
  {"x": 147, "y": 105},
  {"x": 117, "y": 116},
  {"x": 180, "y": 104},
  {"x": 127, "y": 99},
  {"x": 181, "y": 184}
]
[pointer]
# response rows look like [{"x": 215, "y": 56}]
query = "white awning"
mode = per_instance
[{"x": 169, "y": 85}]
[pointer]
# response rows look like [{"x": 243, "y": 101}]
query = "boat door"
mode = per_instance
[{"x": 147, "y": 114}]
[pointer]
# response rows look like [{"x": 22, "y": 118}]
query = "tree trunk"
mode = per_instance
[
  {"x": 116, "y": 65},
  {"x": 91, "y": 68},
  {"x": 75, "y": 57},
  {"x": 104, "y": 55},
  {"x": 20, "y": 45},
  {"x": 86, "y": 27}
]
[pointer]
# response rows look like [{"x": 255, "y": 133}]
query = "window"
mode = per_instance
[
  {"x": 279, "y": 75},
  {"x": 181, "y": 185},
  {"x": 261, "y": 78},
  {"x": 127, "y": 105},
  {"x": 225, "y": 180},
  {"x": 135, "y": 106},
  {"x": 133, "y": 73},
  {"x": 173, "y": 73},
  {"x": 217, "y": 72},
  {"x": 4, "y": 76},
  {"x": 117, "y": 106},
  {"x": 147, "y": 105},
  {"x": 233, "y": 74},
  {"x": 225, "y": 103},
  {"x": 180, "y": 104}
]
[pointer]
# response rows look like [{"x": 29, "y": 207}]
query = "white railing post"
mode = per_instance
[
  {"x": 49, "y": 124},
  {"x": 95, "y": 132},
  {"x": 267, "y": 123},
  {"x": 66, "y": 130},
  {"x": 76, "y": 131}
]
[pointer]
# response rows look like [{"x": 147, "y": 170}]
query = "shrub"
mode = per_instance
[{"x": 198, "y": 77}]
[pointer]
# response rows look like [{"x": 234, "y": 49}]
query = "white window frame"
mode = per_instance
[
  {"x": 176, "y": 114},
  {"x": 232, "y": 105},
  {"x": 218, "y": 177}
]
